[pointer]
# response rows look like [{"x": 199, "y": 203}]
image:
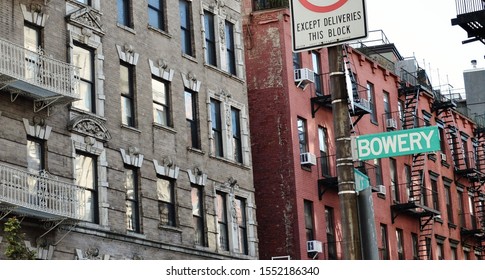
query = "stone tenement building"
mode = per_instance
[{"x": 124, "y": 129}]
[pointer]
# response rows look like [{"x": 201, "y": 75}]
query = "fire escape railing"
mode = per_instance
[
  {"x": 34, "y": 68},
  {"x": 40, "y": 195},
  {"x": 469, "y": 6}
]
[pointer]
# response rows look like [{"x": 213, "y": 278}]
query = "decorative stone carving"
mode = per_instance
[
  {"x": 88, "y": 18},
  {"x": 191, "y": 82},
  {"x": 127, "y": 54},
  {"x": 161, "y": 70},
  {"x": 133, "y": 157},
  {"x": 39, "y": 129},
  {"x": 90, "y": 254},
  {"x": 197, "y": 177},
  {"x": 34, "y": 14},
  {"x": 89, "y": 126},
  {"x": 167, "y": 168}
]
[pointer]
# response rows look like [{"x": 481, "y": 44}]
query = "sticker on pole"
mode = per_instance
[{"x": 321, "y": 23}]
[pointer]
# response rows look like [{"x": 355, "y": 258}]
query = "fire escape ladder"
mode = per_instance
[
  {"x": 418, "y": 162},
  {"x": 411, "y": 98},
  {"x": 454, "y": 141},
  {"x": 426, "y": 232}
]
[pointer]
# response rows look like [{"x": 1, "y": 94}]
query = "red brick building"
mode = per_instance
[{"x": 427, "y": 206}]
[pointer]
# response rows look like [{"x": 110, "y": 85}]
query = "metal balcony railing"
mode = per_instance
[
  {"x": 36, "y": 74},
  {"x": 40, "y": 195},
  {"x": 469, "y": 6}
]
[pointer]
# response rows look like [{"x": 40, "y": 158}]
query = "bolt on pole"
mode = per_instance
[{"x": 345, "y": 166}]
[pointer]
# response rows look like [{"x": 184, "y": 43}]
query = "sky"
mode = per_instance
[{"x": 422, "y": 28}]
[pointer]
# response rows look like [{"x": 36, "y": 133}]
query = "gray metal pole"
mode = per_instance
[
  {"x": 345, "y": 167},
  {"x": 368, "y": 225}
]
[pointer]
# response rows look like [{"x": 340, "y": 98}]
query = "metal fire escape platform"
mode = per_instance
[{"x": 471, "y": 17}]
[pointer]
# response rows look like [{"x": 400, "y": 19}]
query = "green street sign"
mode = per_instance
[
  {"x": 396, "y": 143},
  {"x": 361, "y": 180}
]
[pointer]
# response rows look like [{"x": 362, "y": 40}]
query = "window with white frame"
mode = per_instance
[
  {"x": 86, "y": 177},
  {"x": 228, "y": 128},
  {"x": 161, "y": 102},
  {"x": 230, "y": 47},
  {"x": 232, "y": 229},
  {"x": 83, "y": 58},
  {"x": 210, "y": 39},
  {"x": 132, "y": 200},
  {"x": 166, "y": 202}
]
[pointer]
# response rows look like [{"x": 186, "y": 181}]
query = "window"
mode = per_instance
[
  {"x": 86, "y": 177},
  {"x": 414, "y": 238},
  {"x": 210, "y": 39},
  {"x": 132, "y": 206},
  {"x": 394, "y": 181},
  {"x": 192, "y": 119},
  {"x": 439, "y": 250},
  {"x": 466, "y": 253},
  {"x": 230, "y": 48},
  {"x": 83, "y": 58},
  {"x": 296, "y": 61},
  {"x": 308, "y": 211},
  {"x": 461, "y": 208},
  {"x": 86, "y": 2},
  {"x": 387, "y": 105},
  {"x": 241, "y": 219},
  {"x": 32, "y": 42},
  {"x": 222, "y": 223},
  {"x": 236, "y": 135},
  {"x": 371, "y": 96},
  {"x": 400, "y": 244},
  {"x": 217, "y": 143},
  {"x": 455, "y": 149},
  {"x": 423, "y": 190},
  {"x": 471, "y": 209},
  {"x": 161, "y": 103},
  {"x": 156, "y": 14},
  {"x": 35, "y": 155},
  {"x": 127, "y": 95},
  {"x": 449, "y": 205},
  {"x": 124, "y": 13},
  {"x": 466, "y": 153},
  {"x": 186, "y": 27},
  {"x": 384, "y": 243},
  {"x": 429, "y": 251},
  {"x": 407, "y": 177},
  {"x": 302, "y": 136},
  {"x": 323, "y": 144},
  {"x": 317, "y": 65},
  {"x": 378, "y": 168},
  {"x": 434, "y": 193},
  {"x": 330, "y": 230},
  {"x": 166, "y": 202},
  {"x": 443, "y": 141},
  {"x": 453, "y": 250},
  {"x": 400, "y": 110},
  {"x": 198, "y": 215}
]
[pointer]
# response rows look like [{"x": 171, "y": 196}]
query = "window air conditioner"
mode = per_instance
[
  {"x": 391, "y": 123},
  {"x": 308, "y": 159},
  {"x": 304, "y": 76},
  {"x": 314, "y": 246},
  {"x": 381, "y": 189},
  {"x": 443, "y": 156}
]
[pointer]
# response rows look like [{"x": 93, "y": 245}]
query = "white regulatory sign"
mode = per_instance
[{"x": 321, "y": 23}]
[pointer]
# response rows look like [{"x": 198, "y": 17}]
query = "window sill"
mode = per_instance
[
  {"x": 159, "y": 31},
  {"x": 163, "y": 127},
  {"x": 231, "y": 162},
  {"x": 383, "y": 196},
  {"x": 374, "y": 123},
  {"x": 195, "y": 150},
  {"x": 169, "y": 228},
  {"x": 136, "y": 234},
  {"x": 126, "y": 28},
  {"x": 452, "y": 225},
  {"x": 225, "y": 73},
  {"x": 189, "y": 57},
  {"x": 130, "y": 128},
  {"x": 306, "y": 167}
]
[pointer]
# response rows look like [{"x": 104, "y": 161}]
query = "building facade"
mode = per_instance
[
  {"x": 426, "y": 206},
  {"x": 125, "y": 134}
]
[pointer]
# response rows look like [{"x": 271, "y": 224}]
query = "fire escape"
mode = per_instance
[
  {"x": 47, "y": 82},
  {"x": 411, "y": 88},
  {"x": 36, "y": 76},
  {"x": 471, "y": 17}
]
